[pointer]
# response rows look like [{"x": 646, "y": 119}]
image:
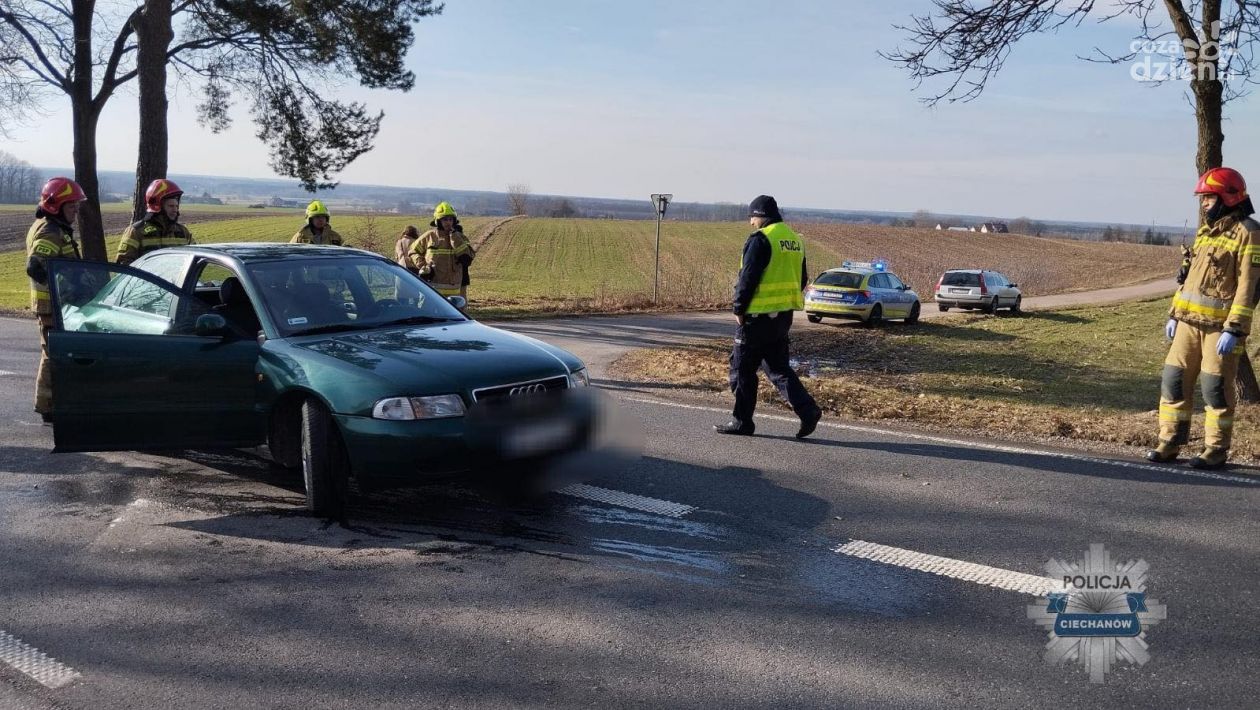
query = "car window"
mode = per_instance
[
  {"x": 893, "y": 281},
  {"x": 844, "y": 279},
  {"x": 348, "y": 293},
  {"x": 168, "y": 267},
  {"x": 960, "y": 278},
  {"x": 106, "y": 298},
  {"x": 213, "y": 274},
  {"x": 879, "y": 281}
]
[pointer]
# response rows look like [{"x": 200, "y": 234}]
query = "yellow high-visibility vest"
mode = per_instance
[{"x": 780, "y": 287}]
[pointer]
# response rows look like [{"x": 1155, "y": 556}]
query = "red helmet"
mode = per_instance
[
  {"x": 1226, "y": 183},
  {"x": 158, "y": 191},
  {"x": 57, "y": 192}
]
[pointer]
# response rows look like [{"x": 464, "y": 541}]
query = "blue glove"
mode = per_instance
[
  {"x": 1226, "y": 344},
  {"x": 1170, "y": 328}
]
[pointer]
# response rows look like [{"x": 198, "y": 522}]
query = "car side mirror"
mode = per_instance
[
  {"x": 458, "y": 301},
  {"x": 1013, "y": 285},
  {"x": 210, "y": 324}
]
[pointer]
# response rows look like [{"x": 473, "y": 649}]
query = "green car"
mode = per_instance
[{"x": 341, "y": 361}]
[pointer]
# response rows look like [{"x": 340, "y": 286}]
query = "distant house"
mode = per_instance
[
  {"x": 960, "y": 229},
  {"x": 939, "y": 227},
  {"x": 994, "y": 228}
]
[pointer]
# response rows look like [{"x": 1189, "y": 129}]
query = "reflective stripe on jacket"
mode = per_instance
[
  {"x": 1220, "y": 289},
  {"x": 46, "y": 239},
  {"x": 780, "y": 286},
  {"x": 306, "y": 235},
  {"x": 153, "y": 232}
]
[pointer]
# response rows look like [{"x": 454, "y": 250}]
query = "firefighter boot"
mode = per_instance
[
  {"x": 1165, "y": 452},
  {"x": 1211, "y": 458}
]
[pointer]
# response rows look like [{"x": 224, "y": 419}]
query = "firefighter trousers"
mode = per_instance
[
  {"x": 43, "y": 379},
  {"x": 1193, "y": 356},
  {"x": 762, "y": 343}
]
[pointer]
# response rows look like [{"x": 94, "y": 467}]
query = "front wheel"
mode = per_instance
[
  {"x": 877, "y": 314},
  {"x": 1015, "y": 309},
  {"x": 914, "y": 314},
  {"x": 813, "y": 318},
  {"x": 325, "y": 464}
]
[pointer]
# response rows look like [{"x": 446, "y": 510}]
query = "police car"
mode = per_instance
[{"x": 861, "y": 290}]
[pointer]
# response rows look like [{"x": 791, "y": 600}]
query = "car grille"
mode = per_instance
[{"x": 503, "y": 393}]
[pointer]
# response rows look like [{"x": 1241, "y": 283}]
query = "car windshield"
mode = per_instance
[
  {"x": 352, "y": 293},
  {"x": 960, "y": 278},
  {"x": 845, "y": 279}
]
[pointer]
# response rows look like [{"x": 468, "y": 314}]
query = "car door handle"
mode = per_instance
[{"x": 83, "y": 358}]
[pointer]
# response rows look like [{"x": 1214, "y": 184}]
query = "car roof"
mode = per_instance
[
  {"x": 853, "y": 270},
  {"x": 249, "y": 252}
]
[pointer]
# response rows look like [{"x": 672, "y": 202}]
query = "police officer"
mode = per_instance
[
  {"x": 51, "y": 236},
  {"x": 317, "y": 230},
  {"x": 1209, "y": 322},
  {"x": 771, "y": 279},
  {"x": 160, "y": 226},
  {"x": 443, "y": 254}
]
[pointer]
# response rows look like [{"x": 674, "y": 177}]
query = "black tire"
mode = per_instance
[
  {"x": 944, "y": 308},
  {"x": 914, "y": 314},
  {"x": 992, "y": 306},
  {"x": 813, "y": 318},
  {"x": 325, "y": 465},
  {"x": 877, "y": 315},
  {"x": 1015, "y": 309}
]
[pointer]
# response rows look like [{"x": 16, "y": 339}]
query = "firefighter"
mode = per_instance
[
  {"x": 402, "y": 249},
  {"x": 160, "y": 226},
  {"x": 1209, "y": 322},
  {"x": 317, "y": 229},
  {"x": 443, "y": 254},
  {"x": 51, "y": 236},
  {"x": 772, "y": 276}
]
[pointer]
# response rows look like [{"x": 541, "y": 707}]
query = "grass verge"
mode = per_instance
[{"x": 1090, "y": 374}]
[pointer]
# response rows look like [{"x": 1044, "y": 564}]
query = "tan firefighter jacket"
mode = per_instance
[
  {"x": 307, "y": 235},
  {"x": 1220, "y": 290},
  {"x": 48, "y": 239},
  {"x": 153, "y": 232},
  {"x": 438, "y": 256}
]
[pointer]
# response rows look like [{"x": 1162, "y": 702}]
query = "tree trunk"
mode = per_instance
[
  {"x": 85, "y": 113},
  {"x": 153, "y": 39}
]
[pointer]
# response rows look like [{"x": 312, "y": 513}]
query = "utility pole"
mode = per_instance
[{"x": 660, "y": 202}]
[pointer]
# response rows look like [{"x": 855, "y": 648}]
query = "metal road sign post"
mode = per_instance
[{"x": 661, "y": 203}]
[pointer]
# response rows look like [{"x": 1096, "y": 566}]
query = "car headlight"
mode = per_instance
[
  {"x": 579, "y": 378},
  {"x": 407, "y": 408}
]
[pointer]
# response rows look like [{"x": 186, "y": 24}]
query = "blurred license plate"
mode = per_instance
[
  {"x": 538, "y": 438},
  {"x": 959, "y": 290}
]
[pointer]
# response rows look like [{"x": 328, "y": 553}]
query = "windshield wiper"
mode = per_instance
[
  {"x": 416, "y": 320},
  {"x": 333, "y": 328}
]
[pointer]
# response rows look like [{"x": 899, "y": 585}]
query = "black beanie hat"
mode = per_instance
[{"x": 763, "y": 206}]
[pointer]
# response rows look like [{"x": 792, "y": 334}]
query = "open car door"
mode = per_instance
[{"x": 138, "y": 364}]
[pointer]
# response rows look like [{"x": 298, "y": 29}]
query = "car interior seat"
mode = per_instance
[{"x": 236, "y": 307}]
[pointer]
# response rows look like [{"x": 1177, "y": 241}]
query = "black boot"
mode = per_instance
[
  {"x": 1211, "y": 459},
  {"x": 809, "y": 423},
  {"x": 736, "y": 428}
]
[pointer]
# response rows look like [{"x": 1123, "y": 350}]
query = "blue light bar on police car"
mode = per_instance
[{"x": 877, "y": 265}]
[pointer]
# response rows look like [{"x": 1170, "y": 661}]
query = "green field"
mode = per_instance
[{"x": 373, "y": 232}]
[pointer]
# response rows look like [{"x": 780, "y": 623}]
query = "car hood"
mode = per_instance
[{"x": 434, "y": 359}]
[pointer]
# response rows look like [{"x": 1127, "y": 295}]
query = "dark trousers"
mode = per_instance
[{"x": 762, "y": 343}]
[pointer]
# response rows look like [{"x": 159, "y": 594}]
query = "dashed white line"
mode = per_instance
[
  {"x": 627, "y": 500},
  {"x": 6, "y": 372},
  {"x": 34, "y": 663},
  {"x": 1249, "y": 480},
  {"x": 947, "y": 567}
]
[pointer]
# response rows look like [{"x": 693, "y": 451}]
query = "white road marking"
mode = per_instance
[
  {"x": 947, "y": 567},
  {"x": 6, "y": 372},
  {"x": 627, "y": 500},
  {"x": 34, "y": 663},
  {"x": 1250, "y": 480}
]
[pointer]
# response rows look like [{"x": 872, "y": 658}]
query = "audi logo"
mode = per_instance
[{"x": 535, "y": 388}]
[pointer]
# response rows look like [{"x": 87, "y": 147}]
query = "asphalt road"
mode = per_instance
[{"x": 714, "y": 572}]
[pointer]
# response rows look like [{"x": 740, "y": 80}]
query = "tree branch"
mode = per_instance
[{"x": 53, "y": 76}]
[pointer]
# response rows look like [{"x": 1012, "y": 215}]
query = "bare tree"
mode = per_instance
[
  {"x": 518, "y": 198},
  {"x": 965, "y": 45},
  {"x": 19, "y": 180}
]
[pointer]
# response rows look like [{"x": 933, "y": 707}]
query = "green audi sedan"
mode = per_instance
[{"x": 342, "y": 362}]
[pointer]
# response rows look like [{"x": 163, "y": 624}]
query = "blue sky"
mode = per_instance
[{"x": 722, "y": 100}]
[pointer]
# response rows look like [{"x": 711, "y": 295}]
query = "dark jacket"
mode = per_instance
[{"x": 756, "y": 259}]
